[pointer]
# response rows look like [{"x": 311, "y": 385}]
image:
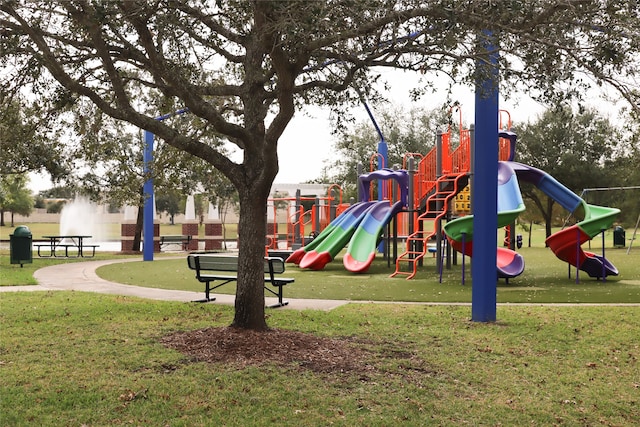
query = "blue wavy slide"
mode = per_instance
[{"x": 510, "y": 205}]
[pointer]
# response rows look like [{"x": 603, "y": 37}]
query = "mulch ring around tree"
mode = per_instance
[{"x": 279, "y": 347}]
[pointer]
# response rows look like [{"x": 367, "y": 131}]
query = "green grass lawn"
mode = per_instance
[
  {"x": 81, "y": 359},
  {"x": 545, "y": 280},
  {"x": 74, "y": 358},
  {"x": 14, "y": 274}
]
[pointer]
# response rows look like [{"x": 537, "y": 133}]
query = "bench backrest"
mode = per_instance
[
  {"x": 175, "y": 238},
  {"x": 227, "y": 263}
]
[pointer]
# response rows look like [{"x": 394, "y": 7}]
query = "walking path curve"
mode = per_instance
[{"x": 81, "y": 276}]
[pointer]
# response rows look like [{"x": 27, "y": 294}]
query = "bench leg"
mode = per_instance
[
  {"x": 93, "y": 252},
  {"x": 42, "y": 255},
  {"x": 205, "y": 300},
  {"x": 207, "y": 291},
  {"x": 280, "y": 302}
]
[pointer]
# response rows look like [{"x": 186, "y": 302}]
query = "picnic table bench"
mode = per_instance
[
  {"x": 211, "y": 268},
  {"x": 74, "y": 242},
  {"x": 183, "y": 240}
]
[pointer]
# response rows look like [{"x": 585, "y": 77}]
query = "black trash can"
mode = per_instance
[
  {"x": 21, "y": 246},
  {"x": 618, "y": 237}
]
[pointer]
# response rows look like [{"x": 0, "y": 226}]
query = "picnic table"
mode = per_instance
[
  {"x": 74, "y": 242},
  {"x": 180, "y": 239}
]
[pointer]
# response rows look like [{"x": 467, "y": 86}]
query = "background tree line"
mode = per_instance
[{"x": 580, "y": 147}]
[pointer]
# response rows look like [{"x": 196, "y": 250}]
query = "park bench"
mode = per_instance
[
  {"x": 183, "y": 240},
  {"x": 212, "y": 268}
]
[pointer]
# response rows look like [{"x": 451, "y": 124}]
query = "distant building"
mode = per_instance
[{"x": 306, "y": 190}]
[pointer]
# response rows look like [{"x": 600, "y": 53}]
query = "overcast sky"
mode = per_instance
[
  {"x": 307, "y": 142},
  {"x": 302, "y": 162}
]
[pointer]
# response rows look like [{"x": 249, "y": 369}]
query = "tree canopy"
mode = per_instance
[
  {"x": 29, "y": 143},
  {"x": 405, "y": 131},
  {"x": 15, "y": 197},
  {"x": 581, "y": 149},
  {"x": 243, "y": 68}
]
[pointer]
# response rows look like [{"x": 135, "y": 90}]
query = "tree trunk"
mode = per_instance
[
  {"x": 546, "y": 210},
  {"x": 252, "y": 229},
  {"x": 137, "y": 236},
  {"x": 548, "y": 218},
  {"x": 2, "y": 217},
  {"x": 547, "y": 228}
]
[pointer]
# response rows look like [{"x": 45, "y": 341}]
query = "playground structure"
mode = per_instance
[
  {"x": 304, "y": 218},
  {"x": 360, "y": 225},
  {"x": 421, "y": 198}
]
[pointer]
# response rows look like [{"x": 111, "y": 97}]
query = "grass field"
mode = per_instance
[
  {"x": 545, "y": 280},
  {"x": 79, "y": 359},
  {"x": 14, "y": 274},
  {"x": 84, "y": 359}
]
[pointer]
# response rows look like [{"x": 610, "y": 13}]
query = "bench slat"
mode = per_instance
[
  {"x": 184, "y": 240},
  {"x": 225, "y": 263},
  {"x": 203, "y": 264}
]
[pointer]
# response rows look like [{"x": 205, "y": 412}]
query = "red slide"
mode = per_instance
[{"x": 566, "y": 245}]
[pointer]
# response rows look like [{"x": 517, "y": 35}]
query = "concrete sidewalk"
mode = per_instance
[{"x": 81, "y": 276}]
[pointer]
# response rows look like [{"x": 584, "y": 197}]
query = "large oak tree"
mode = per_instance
[{"x": 244, "y": 68}]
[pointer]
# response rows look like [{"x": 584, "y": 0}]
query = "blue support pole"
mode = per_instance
[
  {"x": 604, "y": 271},
  {"x": 577, "y": 256},
  {"x": 383, "y": 162},
  {"x": 383, "y": 159},
  {"x": 464, "y": 256},
  {"x": 382, "y": 145},
  {"x": 147, "y": 225},
  {"x": 147, "y": 189},
  {"x": 485, "y": 188}
]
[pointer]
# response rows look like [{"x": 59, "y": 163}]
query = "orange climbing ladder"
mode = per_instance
[
  {"x": 433, "y": 194},
  {"x": 436, "y": 207}
]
